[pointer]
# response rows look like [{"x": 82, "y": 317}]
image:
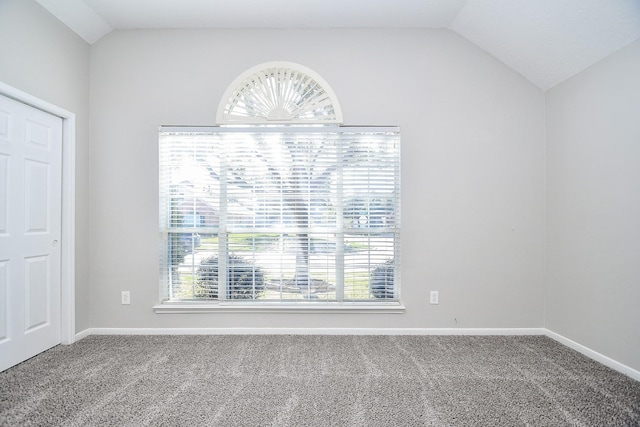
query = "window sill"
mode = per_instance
[{"x": 299, "y": 307}]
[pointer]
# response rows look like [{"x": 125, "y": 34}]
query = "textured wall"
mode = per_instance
[
  {"x": 473, "y": 165},
  {"x": 593, "y": 186},
  {"x": 41, "y": 56}
]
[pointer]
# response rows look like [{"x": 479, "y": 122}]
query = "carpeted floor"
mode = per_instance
[{"x": 316, "y": 381}]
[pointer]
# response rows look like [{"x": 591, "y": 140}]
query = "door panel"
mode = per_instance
[
  {"x": 4, "y": 192},
  {"x": 30, "y": 229},
  {"x": 36, "y": 203},
  {"x": 37, "y": 284},
  {"x": 4, "y": 288}
]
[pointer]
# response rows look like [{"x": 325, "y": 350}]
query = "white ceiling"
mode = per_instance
[{"x": 547, "y": 41}]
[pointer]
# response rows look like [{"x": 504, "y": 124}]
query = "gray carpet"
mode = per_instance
[{"x": 316, "y": 381}]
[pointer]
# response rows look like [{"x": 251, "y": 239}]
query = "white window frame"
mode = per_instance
[
  {"x": 277, "y": 96},
  {"x": 224, "y": 304}
]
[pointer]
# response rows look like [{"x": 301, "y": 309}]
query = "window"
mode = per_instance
[{"x": 280, "y": 213}]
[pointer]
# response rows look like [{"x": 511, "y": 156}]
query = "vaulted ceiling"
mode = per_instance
[{"x": 547, "y": 41}]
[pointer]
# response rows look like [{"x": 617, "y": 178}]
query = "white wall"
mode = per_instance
[
  {"x": 473, "y": 165},
  {"x": 41, "y": 56},
  {"x": 593, "y": 186}
]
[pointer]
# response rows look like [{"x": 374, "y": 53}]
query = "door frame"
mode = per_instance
[{"x": 68, "y": 243}]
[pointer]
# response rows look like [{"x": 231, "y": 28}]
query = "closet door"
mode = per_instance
[{"x": 30, "y": 231}]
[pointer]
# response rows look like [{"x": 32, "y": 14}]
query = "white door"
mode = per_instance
[{"x": 30, "y": 229}]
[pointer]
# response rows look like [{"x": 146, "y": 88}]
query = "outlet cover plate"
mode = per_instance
[{"x": 434, "y": 297}]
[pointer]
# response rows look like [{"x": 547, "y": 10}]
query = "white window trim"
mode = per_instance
[
  {"x": 178, "y": 307},
  {"x": 224, "y": 305}
]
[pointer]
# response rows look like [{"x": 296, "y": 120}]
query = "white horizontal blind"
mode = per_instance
[{"x": 280, "y": 213}]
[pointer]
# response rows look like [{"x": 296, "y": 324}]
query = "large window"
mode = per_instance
[{"x": 280, "y": 214}]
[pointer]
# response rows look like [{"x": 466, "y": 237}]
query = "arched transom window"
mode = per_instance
[{"x": 279, "y": 92}]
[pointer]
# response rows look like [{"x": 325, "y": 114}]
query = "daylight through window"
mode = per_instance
[{"x": 280, "y": 213}]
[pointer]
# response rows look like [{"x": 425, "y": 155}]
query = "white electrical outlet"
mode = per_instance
[
  {"x": 433, "y": 298},
  {"x": 126, "y": 297}
]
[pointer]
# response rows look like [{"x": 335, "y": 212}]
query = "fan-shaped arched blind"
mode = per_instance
[{"x": 279, "y": 92}]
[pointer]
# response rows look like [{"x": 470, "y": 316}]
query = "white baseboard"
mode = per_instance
[
  {"x": 313, "y": 331},
  {"x": 83, "y": 334},
  {"x": 606, "y": 361}
]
